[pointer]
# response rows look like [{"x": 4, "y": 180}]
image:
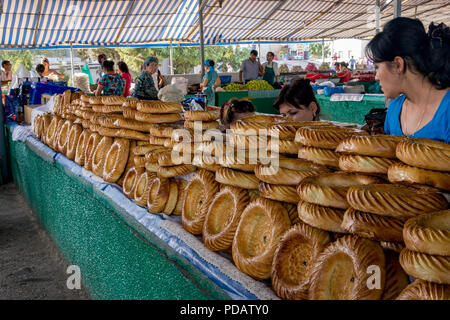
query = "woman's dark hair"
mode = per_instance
[
  {"x": 45, "y": 60},
  {"x": 211, "y": 63},
  {"x": 4, "y": 62},
  {"x": 40, "y": 68},
  {"x": 299, "y": 94},
  {"x": 123, "y": 67},
  {"x": 229, "y": 109},
  {"x": 426, "y": 53},
  {"x": 108, "y": 65},
  {"x": 271, "y": 53}
]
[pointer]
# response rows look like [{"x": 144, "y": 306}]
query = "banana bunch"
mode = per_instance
[{"x": 259, "y": 85}]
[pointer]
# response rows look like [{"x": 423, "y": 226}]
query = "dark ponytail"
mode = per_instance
[
  {"x": 229, "y": 109},
  {"x": 428, "y": 54}
]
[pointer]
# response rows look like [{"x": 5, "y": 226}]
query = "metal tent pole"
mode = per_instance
[
  {"x": 377, "y": 16},
  {"x": 397, "y": 8},
  {"x": 202, "y": 40},
  {"x": 171, "y": 58},
  {"x": 323, "y": 50},
  {"x": 71, "y": 61}
]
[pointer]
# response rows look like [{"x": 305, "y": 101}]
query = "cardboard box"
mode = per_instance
[
  {"x": 27, "y": 112},
  {"x": 45, "y": 97}
]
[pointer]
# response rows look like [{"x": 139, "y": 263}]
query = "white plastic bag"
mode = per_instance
[
  {"x": 170, "y": 93},
  {"x": 181, "y": 83},
  {"x": 21, "y": 72}
]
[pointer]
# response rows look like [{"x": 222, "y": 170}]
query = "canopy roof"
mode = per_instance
[{"x": 83, "y": 23}]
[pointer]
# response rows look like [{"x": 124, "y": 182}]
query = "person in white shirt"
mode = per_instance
[
  {"x": 6, "y": 72},
  {"x": 270, "y": 68}
]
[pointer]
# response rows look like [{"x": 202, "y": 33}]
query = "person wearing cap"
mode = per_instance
[
  {"x": 210, "y": 80},
  {"x": 145, "y": 87},
  {"x": 49, "y": 71}
]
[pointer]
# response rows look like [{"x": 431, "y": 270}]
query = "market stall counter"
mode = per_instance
[
  {"x": 123, "y": 251},
  {"x": 340, "y": 111}
]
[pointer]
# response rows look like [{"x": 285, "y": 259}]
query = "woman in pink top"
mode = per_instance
[{"x": 125, "y": 74}]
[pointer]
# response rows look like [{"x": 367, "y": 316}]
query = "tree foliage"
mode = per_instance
[
  {"x": 315, "y": 50},
  {"x": 17, "y": 57}
]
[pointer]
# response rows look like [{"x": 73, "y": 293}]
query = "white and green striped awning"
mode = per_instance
[{"x": 83, "y": 23}]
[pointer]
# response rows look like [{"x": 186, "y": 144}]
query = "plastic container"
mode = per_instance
[
  {"x": 329, "y": 91},
  {"x": 225, "y": 79}
]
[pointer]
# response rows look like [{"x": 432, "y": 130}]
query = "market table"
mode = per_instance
[
  {"x": 341, "y": 111},
  {"x": 123, "y": 251}
]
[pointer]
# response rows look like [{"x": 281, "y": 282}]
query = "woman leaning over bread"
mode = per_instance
[
  {"x": 298, "y": 102},
  {"x": 414, "y": 68},
  {"x": 235, "y": 109}
]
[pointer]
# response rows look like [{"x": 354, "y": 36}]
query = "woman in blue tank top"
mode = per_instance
[{"x": 413, "y": 67}]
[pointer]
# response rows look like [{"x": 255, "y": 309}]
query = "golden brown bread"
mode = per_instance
[
  {"x": 176, "y": 171},
  {"x": 223, "y": 216},
  {"x": 142, "y": 188},
  {"x": 294, "y": 257},
  {"x": 284, "y": 146},
  {"x": 237, "y": 178},
  {"x": 63, "y": 136},
  {"x": 393, "y": 246},
  {"x": 91, "y": 145},
  {"x": 325, "y": 137},
  {"x": 129, "y": 182},
  {"x": 286, "y": 130},
  {"x": 324, "y": 218},
  {"x": 341, "y": 270},
  {"x": 383, "y": 146},
  {"x": 319, "y": 156},
  {"x": 116, "y": 160},
  {"x": 396, "y": 278},
  {"x": 201, "y": 115},
  {"x": 182, "y": 184},
  {"x": 292, "y": 211},
  {"x": 277, "y": 175},
  {"x": 365, "y": 164},
  {"x": 262, "y": 118},
  {"x": 81, "y": 147},
  {"x": 262, "y": 224},
  {"x": 394, "y": 200},
  {"x": 248, "y": 128},
  {"x": 172, "y": 199},
  {"x": 157, "y": 106},
  {"x": 201, "y": 125},
  {"x": 158, "y": 194},
  {"x": 373, "y": 226},
  {"x": 429, "y": 233},
  {"x": 99, "y": 155},
  {"x": 425, "y": 290},
  {"x": 425, "y": 154},
  {"x": 330, "y": 189},
  {"x": 152, "y": 117},
  {"x": 424, "y": 266},
  {"x": 74, "y": 136},
  {"x": 200, "y": 193},
  {"x": 113, "y": 100},
  {"x": 400, "y": 172},
  {"x": 278, "y": 192}
]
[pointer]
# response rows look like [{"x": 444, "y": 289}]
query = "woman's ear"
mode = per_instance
[
  {"x": 399, "y": 65},
  {"x": 313, "y": 107}
]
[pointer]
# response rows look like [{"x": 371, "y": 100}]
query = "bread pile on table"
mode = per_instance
[{"x": 323, "y": 211}]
